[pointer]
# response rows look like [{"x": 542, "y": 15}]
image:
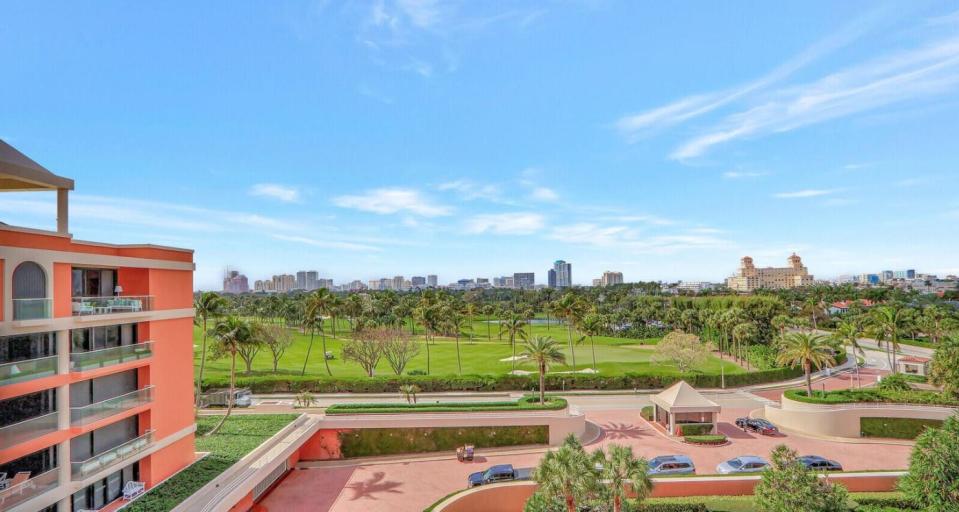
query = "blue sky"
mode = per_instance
[{"x": 367, "y": 139}]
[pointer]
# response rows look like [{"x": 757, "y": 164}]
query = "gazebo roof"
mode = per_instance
[
  {"x": 19, "y": 173},
  {"x": 681, "y": 397}
]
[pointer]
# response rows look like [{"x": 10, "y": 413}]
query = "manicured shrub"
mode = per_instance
[
  {"x": 846, "y": 396},
  {"x": 894, "y": 382},
  {"x": 674, "y": 507},
  {"x": 391, "y": 441},
  {"x": 647, "y": 413},
  {"x": 710, "y": 439},
  {"x": 697, "y": 429},
  {"x": 524, "y": 404},
  {"x": 896, "y": 428}
]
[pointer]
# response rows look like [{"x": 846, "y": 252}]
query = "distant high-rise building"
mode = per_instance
[
  {"x": 235, "y": 282},
  {"x": 398, "y": 283},
  {"x": 284, "y": 283},
  {"x": 374, "y": 284},
  {"x": 551, "y": 278},
  {"x": 905, "y": 274},
  {"x": 597, "y": 282},
  {"x": 312, "y": 279},
  {"x": 301, "y": 280},
  {"x": 418, "y": 282},
  {"x": 524, "y": 280},
  {"x": 510, "y": 282},
  {"x": 564, "y": 274},
  {"x": 610, "y": 278},
  {"x": 323, "y": 283},
  {"x": 432, "y": 281},
  {"x": 264, "y": 286},
  {"x": 750, "y": 278}
]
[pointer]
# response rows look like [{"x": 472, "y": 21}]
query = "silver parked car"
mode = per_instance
[
  {"x": 743, "y": 464},
  {"x": 671, "y": 465}
]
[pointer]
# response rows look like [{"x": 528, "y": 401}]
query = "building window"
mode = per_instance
[
  {"x": 108, "y": 336},
  {"x": 25, "y": 407},
  {"x": 22, "y": 347},
  {"x": 93, "y": 282},
  {"x": 29, "y": 292},
  {"x": 35, "y": 463},
  {"x": 104, "y": 491}
]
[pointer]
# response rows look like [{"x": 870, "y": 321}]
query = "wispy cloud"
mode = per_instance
[
  {"x": 858, "y": 165},
  {"x": 909, "y": 75},
  {"x": 519, "y": 223},
  {"x": 805, "y": 193},
  {"x": 740, "y": 175},
  {"x": 275, "y": 191},
  {"x": 326, "y": 244},
  {"x": 545, "y": 194},
  {"x": 369, "y": 92},
  {"x": 393, "y": 200},
  {"x": 470, "y": 190},
  {"x": 632, "y": 240}
]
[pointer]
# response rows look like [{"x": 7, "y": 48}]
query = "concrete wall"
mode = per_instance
[
  {"x": 842, "y": 420},
  {"x": 511, "y": 497}
]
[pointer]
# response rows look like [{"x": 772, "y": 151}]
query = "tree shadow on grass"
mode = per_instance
[{"x": 374, "y": 486}]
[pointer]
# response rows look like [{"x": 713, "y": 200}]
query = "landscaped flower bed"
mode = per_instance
[
  {"x": 524, "y": 404},
  {"x": 708, "y": 439}
]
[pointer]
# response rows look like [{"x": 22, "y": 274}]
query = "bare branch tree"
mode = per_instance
[
  {"x": 366, "y": 349},
  {"x": 399, "y": 349}
]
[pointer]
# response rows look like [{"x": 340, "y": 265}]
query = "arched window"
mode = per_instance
[{"x": 29, "y": 282}]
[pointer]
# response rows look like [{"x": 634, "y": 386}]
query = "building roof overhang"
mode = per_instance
[{"x": 18, "y": 173}]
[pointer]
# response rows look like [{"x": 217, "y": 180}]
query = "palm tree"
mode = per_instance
[
  {"x": 888, "y": 322},
  {"x": 229, "y": 334},
  {"x": 316, "y": 304},
  {"x": 207, "y": 305},
  {"x": 780, "y": 323},
  {"x": 488, "y": 311},
  {"x": 621, "y": 469},
  {"x": 570, "y": 308},
  {"x": 513, "y": 326},
  {"x": 543, "y": 350},
  {"x": 848, "y": 333},
  {"x": 593, "y": 325},
  {"x": 333, "y": 308},
  {"x": 470, "y": 310},
  {"x": 807, "y": 349},
  {"x": 455, "y": 322},
  {"x": 409, "y": 392},
  {"x": 567, "y": 473},
  {"x": 743, "y": 334}
]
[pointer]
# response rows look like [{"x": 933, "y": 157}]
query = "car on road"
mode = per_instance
[
  {"x": 742, "y": 464},
  {"x": 758, "y": 425},
  {"x": 498, "y": 473},
  {"x": 818, "y": 463},
  {"x": 671, "y": 465}
]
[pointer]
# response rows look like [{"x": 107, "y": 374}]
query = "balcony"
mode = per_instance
[
  {"x": 83, "y": 469},
  {"x": 27, "y": 430},
  {"x": 88, "y": 306},
  {"x": 86, "y": 361},
  {"x": 32, "y": 309},
  {"x": 106, "y": 408},
  {"x": 21, "y": 492},
  {"x": 27, "y": 369}
]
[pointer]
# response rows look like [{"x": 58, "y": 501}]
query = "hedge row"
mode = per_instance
[
  {"x": 647, "y": 413},
  {"x": 674, "y": 507},
  {"x": 524, "y": 404},
  {"x": 435, "y": 383},
  {"x": 696, "y": 429},
  {"x": 895, "y": 428},
  {"x": 710, "y": 439},
  {"x": 847, "y": 396},
  {"x": 392, "y": 441}
]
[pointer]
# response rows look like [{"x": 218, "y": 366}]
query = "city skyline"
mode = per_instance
[{"x": 452, "y": 138}]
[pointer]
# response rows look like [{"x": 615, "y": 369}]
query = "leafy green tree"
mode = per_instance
[
  {"x": 622, "y": 471},
  {"x": 230, "y": 334},
  {"x": 568, "y": 474},
  {"x": 933, "y": 479},
  {"x": 808, "y": 350},
  {"x": 887, "y": 323},
  {"x": 570, "y": 307},
  {"x": 317, "y": 303},
  {"x": 593, "y": 325},
  {"x": 787, "y": 486},
  {"x": 944, "y": 369},
  {"x": 543, "y": 351},
  {"x": 847, "y": 334},
  {"x": 208, "y": 305}
]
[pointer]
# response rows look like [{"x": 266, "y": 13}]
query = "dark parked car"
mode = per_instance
[
  {"x": 819, "y": 463},
  {"x": 498, "y": 473},
  {"x": 757, "y": 425}
]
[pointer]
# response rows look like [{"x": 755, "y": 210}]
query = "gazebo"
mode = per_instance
[{"x": 681, "y": 404}]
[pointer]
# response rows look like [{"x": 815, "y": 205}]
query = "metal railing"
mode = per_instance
[
  {"x": 103, "y": 460},
  {"x": 29, "y": 489},
  {"x": 106, "y": 408},
  {"x": 27, "y": 369},
  {"x": 84, "y": 306},
  {"x": 12, "y": 435},
  {"x": 32, "y": 309},
  {"x": 83, "y": 361}
]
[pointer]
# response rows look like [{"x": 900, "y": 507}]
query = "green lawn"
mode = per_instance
[{"x": 480, "y": 356}]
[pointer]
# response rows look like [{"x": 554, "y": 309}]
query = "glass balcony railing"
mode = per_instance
[
  {"x": 32, "y": 309},
  {"x": 115, "y": 455},
  {"x": 84, "y": 306},
  {"x": 14, "y": 434},
  {"x": 106, "y": 408},
  {"x": 20, "y": 492},
  {"x": 84, "y": 361},
  {"x": 27, "y": 369}
]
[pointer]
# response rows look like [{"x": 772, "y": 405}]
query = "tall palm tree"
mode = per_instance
[
  {"x": 543, "y": 351},
  {"x": 621, "y": 469},
  {"x": 333, "y": 309},
  {"x": 316, "y": 304},
  {"x": 455, "y": 322},
  {"x": 807, "y": 349},
  {"x": 488, "y": 311},
  {"x": 780, "y": 323},
  {"x": 470, "y": 311},
  {"x": 571, "y": 309},
  {"x": 888, "y": 322},
  {"x": 593, "y": 325},
  {"x": 513, "y": 326},
  {"x": 567, "y": 473},
  {"x": 207, "y": 305},
  {"x": 847, "y": 334},
  {"x": 229, "y": 334},
  {"x": 743, "y": 334}
]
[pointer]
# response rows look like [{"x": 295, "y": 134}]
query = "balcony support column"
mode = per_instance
[
  {"x": 63, "y": 352},
  {"x": 65, "y": 475},
  {"x": 63, "y": 209}
]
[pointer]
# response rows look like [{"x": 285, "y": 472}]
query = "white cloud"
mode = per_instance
[
  {"x": 392, "y": 200},
  {"x": 632, "y": 240},
  {"x": 327, "y": 244},
  {"x": 544, "y": 194},
  {"x": 642, "y": 219},
  {"x": 421, "y": 13},
  {"x": 809, "y": 192},
  {"x": 520, "y": 223},
  {"x": 275, "y": 191},
  {"x": 470, "y": 190},
  {"x": 910, "y": 75},
  {"x": 739, "y": 175}
]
